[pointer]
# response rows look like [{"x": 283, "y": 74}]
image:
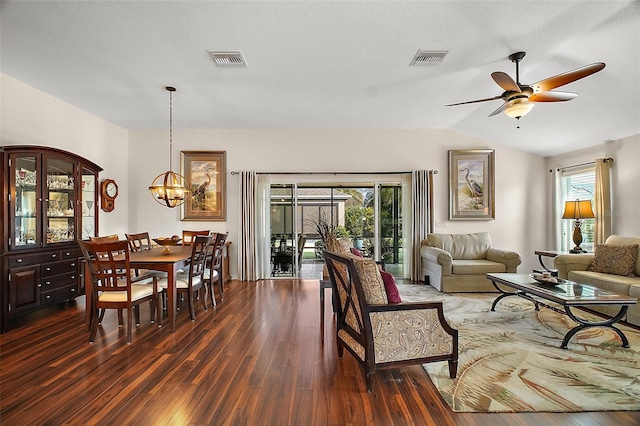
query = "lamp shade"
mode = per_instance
[
  {"x": 578, "y": 209},
  {"x": 518, "y": 108}
]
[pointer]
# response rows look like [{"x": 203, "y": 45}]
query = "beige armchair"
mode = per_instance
[
  {"x": 460, "y": 262},
  {"x": 379, "y": 334}
]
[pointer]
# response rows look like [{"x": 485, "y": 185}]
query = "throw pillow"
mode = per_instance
[
  {"x": 372, "y": 284},
  {"x": 390, "y": 287},
  {"x": 614, "y": 259},
  {"x": 356, "y": 252}
]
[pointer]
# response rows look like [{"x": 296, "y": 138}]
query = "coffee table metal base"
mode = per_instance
[{"x": 582, "y": 323}]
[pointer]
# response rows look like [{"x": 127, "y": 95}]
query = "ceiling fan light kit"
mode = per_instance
[
  {"x": 519, "y": 98},
  {"x": 517, "y": 108}
]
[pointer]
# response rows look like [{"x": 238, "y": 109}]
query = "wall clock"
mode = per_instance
[{"x": 108, "y": 194}]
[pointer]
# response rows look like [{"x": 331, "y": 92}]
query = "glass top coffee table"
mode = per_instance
[{"x": 567, "y": 294}]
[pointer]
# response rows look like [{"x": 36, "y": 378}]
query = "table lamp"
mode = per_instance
[{"x": 578, "y": 210}]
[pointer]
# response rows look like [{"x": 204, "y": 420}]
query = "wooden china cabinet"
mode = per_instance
[{"x": 48, "y": 205}]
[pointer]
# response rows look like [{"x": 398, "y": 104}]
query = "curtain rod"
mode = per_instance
[
  {"x": 606, "y": 160},
  {"x": 435, "y": 172}
]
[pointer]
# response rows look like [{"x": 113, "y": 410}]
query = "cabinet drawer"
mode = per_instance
[
  {"x": 57, "y": 268},
  {"x": 33, "y": 259},
  {"x": 51, "y": 283},
  {"x": 71, "y": 253},
  {"x": 59, "y": 295}
]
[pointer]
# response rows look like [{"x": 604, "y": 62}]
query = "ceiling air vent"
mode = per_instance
[
  {"x": 428, "y": 58},
  {"x": 228, "y": 58}
]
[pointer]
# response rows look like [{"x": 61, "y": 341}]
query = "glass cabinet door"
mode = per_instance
[
  {"x": 59, "y": 201},
  {"x": 27, "y": 200},
  {"x": 88, "y": 204}
]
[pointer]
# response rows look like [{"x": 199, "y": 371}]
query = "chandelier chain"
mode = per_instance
[{"x": 170, "y": 130}]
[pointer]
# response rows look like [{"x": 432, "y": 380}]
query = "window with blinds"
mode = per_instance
[{"x": 577, "y": 184}]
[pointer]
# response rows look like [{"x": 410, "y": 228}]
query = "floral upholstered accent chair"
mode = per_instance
[{"x": 379, "y": 334}]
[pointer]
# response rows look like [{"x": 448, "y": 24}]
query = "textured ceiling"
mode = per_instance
[{"x": 332, "y": 65}]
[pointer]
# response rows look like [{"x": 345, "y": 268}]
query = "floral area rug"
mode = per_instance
[{"x": 510, "y": 360}]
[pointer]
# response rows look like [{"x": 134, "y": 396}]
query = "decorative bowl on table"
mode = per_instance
[
  {"x": 544, "y": 279},
  {"x": 167, "y": 242}
]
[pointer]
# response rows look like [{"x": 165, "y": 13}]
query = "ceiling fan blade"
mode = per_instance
[
  {"x": 479, "y": 100},
  {"x": 505, "y": 81},
  {"x": 552, "y": 97},
  {"x": 499, "y": 110},
  {"x": 567, "y": 77}
]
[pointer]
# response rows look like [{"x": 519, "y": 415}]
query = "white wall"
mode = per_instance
[
  {"x": 134, "y": 158},
  {"x": 521, "y": 200},
  {"x": 31, "y": 117},
  {"x": 625, "y": 180}
]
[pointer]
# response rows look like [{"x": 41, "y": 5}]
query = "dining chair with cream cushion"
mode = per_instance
[
  {"x": 139, "y": 242},
  {"x": 189, "y": 236},
  {"x": 213, "y": 271},
  {"x": 191, "y": 281},
  {"x": 113, "y": 286}
]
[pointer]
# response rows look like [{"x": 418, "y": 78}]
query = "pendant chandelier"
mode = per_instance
[{"x": 170, "y": 188}]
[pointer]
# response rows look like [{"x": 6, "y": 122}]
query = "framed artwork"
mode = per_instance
[
  {"x": 205, "y": 172},
  {"x": 471, "y": 184}
]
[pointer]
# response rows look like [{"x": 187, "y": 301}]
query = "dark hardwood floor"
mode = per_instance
[{"x": 256, "y": 359}]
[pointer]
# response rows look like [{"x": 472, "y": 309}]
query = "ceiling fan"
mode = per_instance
[{"x": 518, "y": 98}]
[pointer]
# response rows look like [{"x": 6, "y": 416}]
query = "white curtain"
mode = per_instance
[
  {"x": 422, "y": 219},
  {"x": 248, "y": 244},
  {"x": 263, "y": 226},
  {"x": 602, "y": 200}
]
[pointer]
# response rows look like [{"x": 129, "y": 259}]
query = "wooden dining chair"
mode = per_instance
[
  {"x": 113, "y": 286},
  {"x": 213, "y": 271},
  {"x": 191, "y": 281},
  {"x": 105, "y": 238},
  {"x": 138, "y": 242},
  {"x": 189, "y": 236}
]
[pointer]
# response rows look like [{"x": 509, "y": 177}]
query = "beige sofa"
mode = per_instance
[
  {"x": 460, "y": 262},
  {"x": 575, "y": 267}
]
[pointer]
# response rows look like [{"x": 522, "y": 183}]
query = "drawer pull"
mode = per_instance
[
  {"x": 73, "y": 264},
  {"x": 19, "y": 261},
  {"x": 73, "y": 290},
  {"x": 67, "y": 254},
  {"x": 54, "y": 255},
  {"x": 48, "y": 296},
  {"x": 47, "y": 269},
  {"x": 47, "y": 283},
  {"x": 40, "y": 285},
  {"x": 73, "y": 277}
]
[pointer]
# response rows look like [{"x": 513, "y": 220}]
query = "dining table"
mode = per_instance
[{"x": 156, "y": 259}]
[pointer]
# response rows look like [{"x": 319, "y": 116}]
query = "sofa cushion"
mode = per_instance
[
  {"x": 477, "y": 267},
  {"x": 462, "y": 246},
  {"x": 615, "y": 259},
  {"x": 615, "y": 283},
  {"x": 625, "y": 241}
]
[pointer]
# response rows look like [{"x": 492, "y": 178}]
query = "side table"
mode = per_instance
[{"x": 547, "y": 253}]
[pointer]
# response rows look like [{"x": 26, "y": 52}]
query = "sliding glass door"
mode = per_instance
[{"x": 369, "y": 214}]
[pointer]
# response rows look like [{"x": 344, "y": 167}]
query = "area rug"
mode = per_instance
[{"x": 510, "y": 360}]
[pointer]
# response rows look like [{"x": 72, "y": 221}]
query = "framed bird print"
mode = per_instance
[
  {"x": 471, "y": 184},
  {"x": 205, "y": 172}
]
